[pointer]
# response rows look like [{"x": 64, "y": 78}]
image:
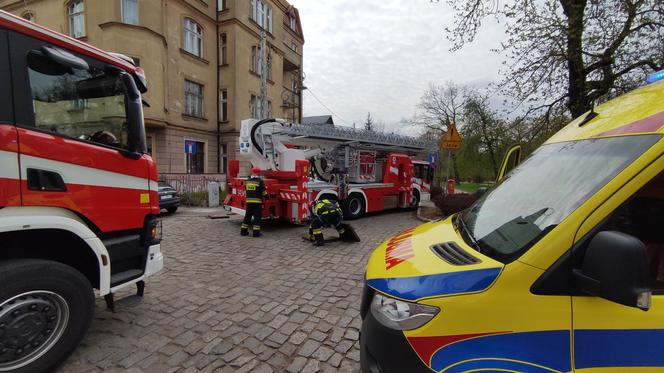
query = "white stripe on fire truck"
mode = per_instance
[
  {"x": 82, "y": 175},
  {"x": 8, "y": 165}
]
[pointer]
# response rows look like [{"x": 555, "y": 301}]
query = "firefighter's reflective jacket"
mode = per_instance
[
  {"x": 327, "y": 212},
  {"x": 255, "y": 189}
]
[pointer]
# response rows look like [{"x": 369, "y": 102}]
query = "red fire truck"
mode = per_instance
[
  {"x": 78, "y": 193},
  {"x": 365, "y": 171}
]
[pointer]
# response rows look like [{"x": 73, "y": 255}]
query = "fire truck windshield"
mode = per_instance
[{"x": 86, "y": 104}]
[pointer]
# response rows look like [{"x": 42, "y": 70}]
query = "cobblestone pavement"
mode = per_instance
[{"x": 227, "y": 303}]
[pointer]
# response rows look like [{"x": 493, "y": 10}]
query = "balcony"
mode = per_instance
[{"x": 292, "y": 60}]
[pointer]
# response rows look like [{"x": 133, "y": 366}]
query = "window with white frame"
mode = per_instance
[
  {"x": 294, "y": 85},
  {"x": 221, "y": 5},
  {"x": 261, "y": 13},
  {"x": 76, "y": 14},
  {"x": 292, "y": 22},
  {"x": 223, "y": 105},
  {"x": 224, "y": 158},
  {"x": 256, "y": 65},
  {"x": 255, "y": 107},
  {"x": 293, "y": 46},
  {"x": 193, "y": 37},
  {"x": 193, "y": 97},
  {"x": 223, "y": 49},
  {"x": 130, "y": 12}
]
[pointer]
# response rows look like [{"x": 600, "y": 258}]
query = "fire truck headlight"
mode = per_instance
[{"x": 400, "y": 315}]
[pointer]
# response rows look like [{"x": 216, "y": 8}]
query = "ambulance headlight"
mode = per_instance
[{"x": 400, "y": 315}]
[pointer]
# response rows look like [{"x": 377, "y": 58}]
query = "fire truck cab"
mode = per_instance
[{"x": 78, "y": 193}]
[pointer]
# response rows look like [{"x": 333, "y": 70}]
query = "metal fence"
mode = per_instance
[{"x": 193, "y": 188}]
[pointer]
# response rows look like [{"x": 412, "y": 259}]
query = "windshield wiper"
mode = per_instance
[{"x": 466, "y": 231}]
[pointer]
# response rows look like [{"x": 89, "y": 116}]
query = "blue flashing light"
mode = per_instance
[{"x": 655, "y": 76}]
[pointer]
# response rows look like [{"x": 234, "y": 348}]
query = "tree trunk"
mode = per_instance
[{"x": 577, "y": 90}]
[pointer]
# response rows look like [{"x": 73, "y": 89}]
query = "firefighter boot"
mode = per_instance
[
  {"x": 257, "y": 230},
  {"x": 318, "y": 237},
  {"x": 244, "y": 230}
]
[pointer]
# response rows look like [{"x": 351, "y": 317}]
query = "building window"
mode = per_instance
[
  {"x": 294, "y": 85},
  {"x": 223, "y": 105},
  {"x": 257, "y": 66},
  {"x": 29, "y": 16},
  {"x": 255, "y": 106},
  {"x": 224, "y": 158},
  {"x": 193, "y": 37},
  {"x": 195, "y": 156},
  {"x": 261, "y": 13},
  {"x": 221, "y": 5},
  {"x": 269, "y": 109},
  {"x": 148, "y": 143},
  {"x": 293, "y": 46},
  {"x": 130, "y": 12},
  {"x": 292, "y": 22},
  {"x": 76, "y": 12},
  {"x": 223, "y": 49},
  {"x": 193, "y": 97}
]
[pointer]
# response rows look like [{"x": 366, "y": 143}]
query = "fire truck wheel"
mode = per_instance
[
  {"x": 416, "y": 199},
  {"x": 45, "y": 309},
  {"x": 172, "y": 210},
  {"x": 353, "y": 206}
]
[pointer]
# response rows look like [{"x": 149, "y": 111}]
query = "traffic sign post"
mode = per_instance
[{"x": 451, "y": 140}]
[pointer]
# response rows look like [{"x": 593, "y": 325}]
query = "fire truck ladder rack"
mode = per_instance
[{"x": 350, "y": 135}]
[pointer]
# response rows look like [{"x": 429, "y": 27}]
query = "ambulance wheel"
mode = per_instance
[
  {"x": 354, "y": 206},
  {"x": 45, "y": 309}
]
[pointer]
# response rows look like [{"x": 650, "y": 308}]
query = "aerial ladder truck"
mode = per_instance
[{"x": 364, "y": 171}]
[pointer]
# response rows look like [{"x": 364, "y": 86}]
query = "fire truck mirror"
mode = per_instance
[
  {"x": 135, "y": 124},
  {"x": 64, "y": 58}
]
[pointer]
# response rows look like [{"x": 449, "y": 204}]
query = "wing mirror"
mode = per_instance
[{"x": 615, "y": 268}]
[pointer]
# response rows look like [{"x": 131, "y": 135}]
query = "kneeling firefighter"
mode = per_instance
[
  {"x": 255, "y": 192},
  {"x": 327, "y": 213}
]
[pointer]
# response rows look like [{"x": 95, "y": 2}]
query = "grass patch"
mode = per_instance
[{"x": 472, "y": 187}]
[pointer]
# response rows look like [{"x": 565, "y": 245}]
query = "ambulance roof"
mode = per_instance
[{"x": 640, "y": 111}]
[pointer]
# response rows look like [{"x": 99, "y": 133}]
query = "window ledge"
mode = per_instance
[
  {"x": 81, "y": 38},
  {"x": 224, "y": 122},
  {"x": 194, "y": 57},
  {"x": 259, "y": 75},
  {"x": 224, "y": 65},
  {"x": 251, "y": 20},
  {"x": 192, "y": 117}
]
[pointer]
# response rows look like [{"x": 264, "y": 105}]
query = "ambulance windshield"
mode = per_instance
[{"x": 545, "y": 189}]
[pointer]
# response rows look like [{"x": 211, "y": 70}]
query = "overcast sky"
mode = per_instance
[{"x": 379, "y": 56}]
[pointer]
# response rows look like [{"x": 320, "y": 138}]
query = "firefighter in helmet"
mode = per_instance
[
  {"x": 255, "y": 192},
  {"x": 325, "y": 213}
]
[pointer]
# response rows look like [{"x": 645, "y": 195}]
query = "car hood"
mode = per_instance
[{"x": 430, "y": 260}]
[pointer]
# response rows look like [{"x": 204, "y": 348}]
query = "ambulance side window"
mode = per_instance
[{"x": 643, "y": 217}]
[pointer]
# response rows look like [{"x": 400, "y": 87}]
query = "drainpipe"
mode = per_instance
[{"x": 218, "y": 100}]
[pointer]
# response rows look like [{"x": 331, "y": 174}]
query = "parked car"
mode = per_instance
[{"x": 168, "y": 197}]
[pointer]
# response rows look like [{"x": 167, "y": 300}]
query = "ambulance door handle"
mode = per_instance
[{"x": 45, "y": 181}]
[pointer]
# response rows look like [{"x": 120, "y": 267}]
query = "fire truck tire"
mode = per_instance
[
  {"x": 45, "y": 309},
  {"x": 415, "y": 202},
  {"x": 354, "y": 206},
  {"x": 172, "y": 210}
]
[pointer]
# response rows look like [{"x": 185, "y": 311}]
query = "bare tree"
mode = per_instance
[
  {"x": 440, "y": 105},
  {"x": 568, "y": 53},
  {"x": 369, "y": 123}
]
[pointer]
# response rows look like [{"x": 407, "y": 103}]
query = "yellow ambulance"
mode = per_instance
[{"x": 558, "y": 268}]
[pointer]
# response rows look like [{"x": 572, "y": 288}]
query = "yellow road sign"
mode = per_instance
[{"x": 451, "y": 139}]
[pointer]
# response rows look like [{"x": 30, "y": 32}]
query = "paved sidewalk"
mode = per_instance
[{"x": 237, "y": 304}]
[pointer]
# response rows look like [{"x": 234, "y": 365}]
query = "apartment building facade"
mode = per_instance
[{"x": 197, "y": 54}]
